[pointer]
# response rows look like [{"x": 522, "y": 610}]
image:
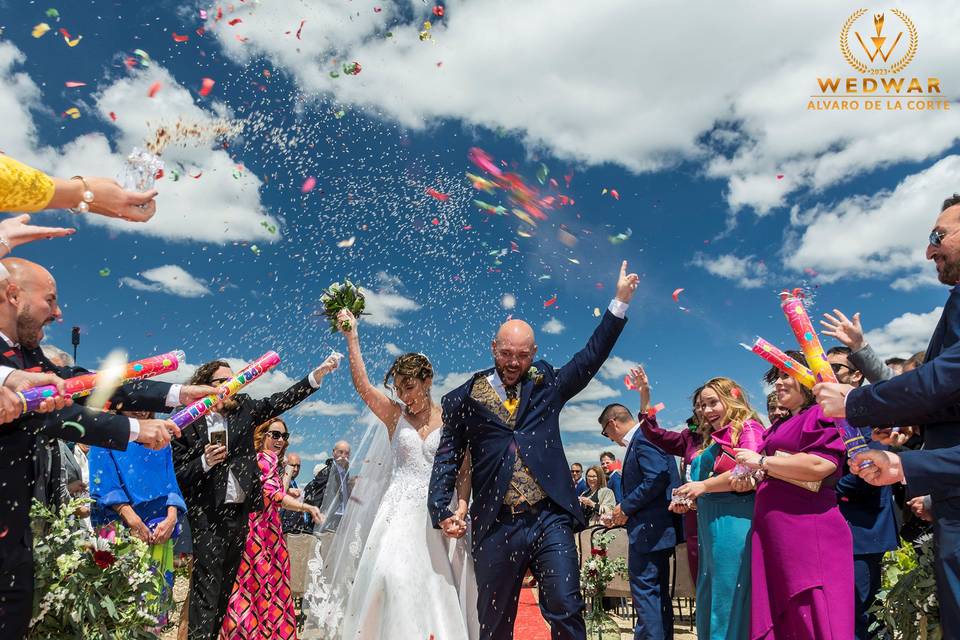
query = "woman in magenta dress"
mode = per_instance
[
  {"x": 686, "y": 444},
  {"x": 802, "y": 551},
  {"x": 261, "y": 603}
]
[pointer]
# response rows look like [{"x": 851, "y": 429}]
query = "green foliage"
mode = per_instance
[
  {"x": 597, "y": 572},
  {"x": 906, "y": 606},
  {"x": 342, "y": 296},
  {"x": 93, "y": 585}
]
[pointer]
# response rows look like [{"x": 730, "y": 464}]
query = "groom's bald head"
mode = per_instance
[{"x": 513, "y": 350}]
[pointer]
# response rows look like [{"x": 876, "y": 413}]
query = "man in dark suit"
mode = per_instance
[
  {"x": 928, "y": 396},
  {"x": 649, "y": 477},
  {"x": 28, "y": 302},
  {"x": 524, "y": 510},
  {"x": 330, "y": 488},
  {"x": 220, "y": 481},
  {"x": 867, "y": 509}
]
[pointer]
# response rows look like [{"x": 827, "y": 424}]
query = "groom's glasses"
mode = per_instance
[
  {"x": 606, "y": 424},
  {"x": 278, "y": 435}
]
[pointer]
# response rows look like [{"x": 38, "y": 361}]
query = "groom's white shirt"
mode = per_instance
[
  {"x": 629, "y": 436},
  {"x": 617, "y": 308}
]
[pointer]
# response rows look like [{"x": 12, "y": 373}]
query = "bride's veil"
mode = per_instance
[{"x": 334, "y": 565}]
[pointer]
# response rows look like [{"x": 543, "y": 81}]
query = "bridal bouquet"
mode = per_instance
[
  {"x": 342, "y": 296},
  {"x": 97, "y": 585}
]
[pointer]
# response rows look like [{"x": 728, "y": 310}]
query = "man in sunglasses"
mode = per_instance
[
  {"x": 216, "y": 465},
  {"x": 926, "y": 396},
  {"x": 868, "y": 511}
]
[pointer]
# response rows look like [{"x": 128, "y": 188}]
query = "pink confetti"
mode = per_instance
[
  {"x": 377, "y": 9},
  {"x": 308, "y": 185},
  {"x": 676, "y": 295},
  {"x": 300, "y": 28},
  {"x": 206, "y": 86},
  {"x": 550, "y": 302},
  {"x": 154, "y": 89},
  {"x": 235, "y": 21},
  {"x": 435, "y": 221},
  {"x": 615, "y": 194},
  {"x": 179, "y": 38},
  {"x": 70, "y": 84},
  {"x": 113, "y": 116},
  {"x": 203, "y": 14},
  {"x": 628, "y": 383},
  {"x": 433, "y": 193},
  {"x": 655, "y": 409},
  {"x": 438, "y": 11}
]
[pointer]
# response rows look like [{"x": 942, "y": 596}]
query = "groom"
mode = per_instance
[{"x": 524, "y": 509}]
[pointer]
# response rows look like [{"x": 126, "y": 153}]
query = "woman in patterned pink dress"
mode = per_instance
[{"x": 261, "y": 604}]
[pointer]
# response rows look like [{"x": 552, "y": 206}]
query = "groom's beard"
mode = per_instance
[{"x": 503, "y": 375}]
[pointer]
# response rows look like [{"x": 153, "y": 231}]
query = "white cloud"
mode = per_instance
[
  {"x": 878, "y": 235},
  {"x": 449, "y": 382},
  {"x": 552, "y": 326},
  {"x": 568, "y": 84},
  {"x": 913, "y": 281},
  {"x": 324, "y": 408},
  {"x": 169, "y": 279},
  {"x": 905, "y": 335},
  {"x": 581, "y": 416},
  {"x": 615, "y": 368},
  {"x": 595, "y": 390},
  {"x": 385, "y": 304},
  {"x": 214, "y": 208},
  {"x": 747, "y": 272},
  {"x": 393, "y": 349}
]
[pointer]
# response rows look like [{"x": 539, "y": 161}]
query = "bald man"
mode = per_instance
[
  {"x": 28, "y": 302},
  {"x": 525, "y": 510}
]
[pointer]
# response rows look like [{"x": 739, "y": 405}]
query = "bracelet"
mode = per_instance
[
  {"x": 86, "y": 197},
  {"x": 762, "y": 460}
]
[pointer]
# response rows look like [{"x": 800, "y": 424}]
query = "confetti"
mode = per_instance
[
  {"x": 73, "y": 112},
  {"x": 104, "y": 272},
  {"x": 550, "y": 302},
  {"x": 203, "y": 14},
  {"x": 596, "y": 312},
  {"x": 113, "y": 116},
  {"x": 308, "y": 185},
  {"x": 655, "y": 409},
  {"x": 154, "y": 89},
  {"x": 179, "y": 38},
  {"x": 255, "y": 249},
  {"x": 779, "y": 176},
  {"x": 628, "y": 383},
  {"x": 206, "y": 86},
  {"x": 40, "y": 29},
  {"x": 433, "y": 193},
  {"x": 615, "y": 194},
  {"x": 508, "y": 301},
  {"x": 52, "y": 13},
  {"x": 70, "y": 84},
  {"x": 438, "y": 11},
  {"x": 542, "y": 173},
  {"x": 346, "y": 244},
  {"x": 676, "y": 295},
  {"x": 377, "y": 9},
  {"x": 300, "y": 29},
  {"x": 70, "y": 40},
  {"x": 621, "y": 237},
  {"x": 235, "y": 21},
  {"x": 352, "y": 68}
]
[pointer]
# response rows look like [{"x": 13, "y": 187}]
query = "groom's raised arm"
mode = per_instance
[
  {"x": 449, "y": 459},
  {"x": 576, "y": 374}
]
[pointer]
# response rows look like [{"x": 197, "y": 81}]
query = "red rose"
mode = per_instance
[
  {"x": 598, "y": 552},
  {"x": 104, "y": 559}
]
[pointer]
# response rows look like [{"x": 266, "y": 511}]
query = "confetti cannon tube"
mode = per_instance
[
  {"x": 793, "y": 309},
  {"x": 203, "y": 406},
  {"x": 783, "y": 362},
  {"x": 83, "y": 385}
]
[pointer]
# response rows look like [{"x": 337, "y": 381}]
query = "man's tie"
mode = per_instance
[{"x": 513, "y": 398}]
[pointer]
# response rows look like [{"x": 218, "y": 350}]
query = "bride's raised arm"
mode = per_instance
[{"x": 382, "y": 406}]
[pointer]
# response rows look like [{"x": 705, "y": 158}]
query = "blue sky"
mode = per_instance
[{"x": 732, "y": 190}]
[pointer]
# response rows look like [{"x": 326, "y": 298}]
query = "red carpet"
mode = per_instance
[{"x": 530, "y": 625}]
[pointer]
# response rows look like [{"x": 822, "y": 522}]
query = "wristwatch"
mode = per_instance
[{"x": 763, "y": 459}]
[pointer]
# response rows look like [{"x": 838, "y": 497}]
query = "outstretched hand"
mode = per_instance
[
  {"x": 639, "y": 378},
  {"x": 17, "y": 231},
  {"x": 626, "y": 284},
  {"x": 847, "y": 331}
]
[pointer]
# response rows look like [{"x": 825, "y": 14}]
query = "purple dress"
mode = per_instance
[
  {"x": 802, "y": 550},
  {"x": 684, "y": 444}
]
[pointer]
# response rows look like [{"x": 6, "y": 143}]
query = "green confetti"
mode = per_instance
[
  {"x": 334, "y": 74},
  {"x": 105, "y": 272},
  {"x": 53, "y": 13},
  {"x": 542, "y": 173}
]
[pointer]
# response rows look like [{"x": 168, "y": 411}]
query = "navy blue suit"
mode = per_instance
[
  {"x": 928, "y": 396},
  {"x": 615, "y": 484},
  {"x": 505, "y": 545},
  {"x": 869, "y": 512},
  {"x": 649, "y": 476}
]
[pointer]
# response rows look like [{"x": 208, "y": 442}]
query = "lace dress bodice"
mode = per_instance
[{"x": 412, "y": 463}]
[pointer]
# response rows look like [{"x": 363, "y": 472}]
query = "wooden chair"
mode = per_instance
[{"x": 682, "y": 590}]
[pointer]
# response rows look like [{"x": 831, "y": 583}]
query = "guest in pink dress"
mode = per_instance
[
  {"x": 802, "y": 550},
  {"x": 261, "y": 603}
]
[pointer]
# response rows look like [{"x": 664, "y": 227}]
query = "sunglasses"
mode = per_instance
[
  {"x": 603, "y": 431},
  {"x": 838, "y": 367},
  {"x": 936, "y": 237},
  {"x": 216, "y": 382},
  {"x": 278, "y": 435}
]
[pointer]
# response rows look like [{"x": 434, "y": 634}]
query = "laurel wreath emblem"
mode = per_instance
[{"x": 897, "y": 66}]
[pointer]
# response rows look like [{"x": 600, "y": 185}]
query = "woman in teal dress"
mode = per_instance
[{"x": 724, "y": 516}]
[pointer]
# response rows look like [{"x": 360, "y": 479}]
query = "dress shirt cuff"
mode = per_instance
[
  {"x": 4, "y": 372},
  {"x": 173, "y": 396},
  {"x": 618, "y": 308},
  {"x": 203, "y": 463},
  {"x": 313, "y": 380},
  {"x": 134, "y": 429}
]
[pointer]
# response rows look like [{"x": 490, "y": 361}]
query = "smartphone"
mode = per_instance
[{"x": 218, "y": 437}]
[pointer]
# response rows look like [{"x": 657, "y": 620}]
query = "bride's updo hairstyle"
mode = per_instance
[{"x": 409, "y": 365}]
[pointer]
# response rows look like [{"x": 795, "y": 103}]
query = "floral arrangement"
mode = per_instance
[
  {"x": 342, "y": 296},
  {"x": 595, "y": 574},
  {"x": 96, "y": 585},
  {"x": 906, "y": 606}
]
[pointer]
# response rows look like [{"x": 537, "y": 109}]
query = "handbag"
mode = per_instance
[{"x": 809, "y": 485}]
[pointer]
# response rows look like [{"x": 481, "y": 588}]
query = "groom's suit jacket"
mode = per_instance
[{"x": 536, "y": 435}]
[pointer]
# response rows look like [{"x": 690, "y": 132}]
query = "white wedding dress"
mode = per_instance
[{"x": 412, "y": 582}]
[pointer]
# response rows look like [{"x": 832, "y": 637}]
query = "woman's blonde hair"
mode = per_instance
[
  {"x": 260, "y": 434},
  {"x": 737, "y": 409},
  {"x": 601, "y": 477}
]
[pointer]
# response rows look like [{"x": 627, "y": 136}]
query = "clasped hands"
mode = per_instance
[{"x": 455, "y": 526}]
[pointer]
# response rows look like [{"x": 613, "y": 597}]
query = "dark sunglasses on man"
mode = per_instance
[
  {"x": 278, "y": 435},
  {"x": 936, "y": 237}
]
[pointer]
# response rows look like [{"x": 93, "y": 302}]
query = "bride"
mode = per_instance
[{"x": 410, "y": 581}]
